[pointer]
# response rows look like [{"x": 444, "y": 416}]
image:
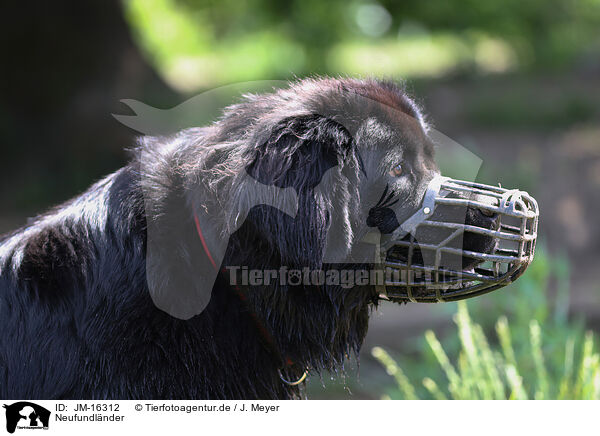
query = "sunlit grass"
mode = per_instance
[
  {"x": 482, "y": 371},
  {"x": 531, "y": 349}
]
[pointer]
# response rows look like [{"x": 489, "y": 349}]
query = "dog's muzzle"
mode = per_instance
[{"x": 466, "y": 239}]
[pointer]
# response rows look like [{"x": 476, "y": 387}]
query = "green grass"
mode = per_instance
[
  {"x": 539, "y": 354},
  {"x": 487, "y": 372}
]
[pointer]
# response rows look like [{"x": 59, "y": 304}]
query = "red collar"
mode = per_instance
[
  {"x": 264, "y": 333},
  {"x": 206, "y": 250}
]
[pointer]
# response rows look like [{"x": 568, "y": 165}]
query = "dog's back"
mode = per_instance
[{"x": 58, "y": 277}]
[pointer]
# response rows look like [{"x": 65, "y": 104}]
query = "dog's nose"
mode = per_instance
[
  {"x": 487, "y": 212},
  {"x": 483, "y": 217}
]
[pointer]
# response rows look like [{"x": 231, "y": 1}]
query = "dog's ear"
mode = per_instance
[
  {"x": 298, "y": 151},
  {"x": 308, "y": 154}
]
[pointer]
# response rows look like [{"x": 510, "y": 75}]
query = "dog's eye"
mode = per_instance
[{"x": 396, "y": 171}]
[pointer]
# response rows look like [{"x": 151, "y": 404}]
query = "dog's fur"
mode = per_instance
[{"x": 76, "y": 316}]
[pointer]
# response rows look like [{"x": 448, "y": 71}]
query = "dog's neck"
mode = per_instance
[{"x": 317, "y": 327}]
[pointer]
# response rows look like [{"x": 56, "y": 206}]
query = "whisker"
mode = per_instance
[
  {"x": 389, "y": 197},
  {"x": 381, "y": 199},
  {"x": 392, "y": 203}
]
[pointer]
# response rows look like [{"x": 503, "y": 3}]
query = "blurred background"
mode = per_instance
[{"x": 517, "y": 83}]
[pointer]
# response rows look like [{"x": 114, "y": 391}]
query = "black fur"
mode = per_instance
[{"x": 76, "y": 317}]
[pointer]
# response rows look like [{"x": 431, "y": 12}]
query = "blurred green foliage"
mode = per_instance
[
  {"x": 536, "y": 351},
  {"x": 200, "y": 43}
]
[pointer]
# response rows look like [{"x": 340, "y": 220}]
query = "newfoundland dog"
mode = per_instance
[{"x": 188, "y": 274}]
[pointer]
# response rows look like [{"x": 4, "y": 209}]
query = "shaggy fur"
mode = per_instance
[{"x": 75, "y": 309}]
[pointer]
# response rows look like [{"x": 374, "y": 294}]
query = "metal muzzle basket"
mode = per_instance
[{"x": 512, "y": 238}]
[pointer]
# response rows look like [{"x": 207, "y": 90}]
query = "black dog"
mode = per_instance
[{"x": 78, "y": 291}]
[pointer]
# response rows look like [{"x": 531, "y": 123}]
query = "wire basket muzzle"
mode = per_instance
[{"x": 467, "y": 239}]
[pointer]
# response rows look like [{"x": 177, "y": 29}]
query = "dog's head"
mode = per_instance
[
  {"x": 328, "y": 175},
  {"x": 358, "y": 155}
]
